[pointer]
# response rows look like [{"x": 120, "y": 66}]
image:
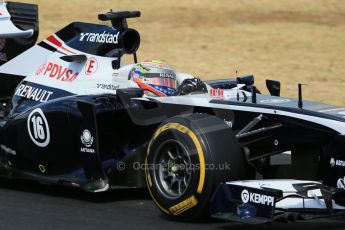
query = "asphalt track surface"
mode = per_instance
[{"x": 28, "y": 205}]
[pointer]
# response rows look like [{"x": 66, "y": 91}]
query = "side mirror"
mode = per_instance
[
  {"x": 247, "y": 80},
  {"x": 273, "y": 87}
]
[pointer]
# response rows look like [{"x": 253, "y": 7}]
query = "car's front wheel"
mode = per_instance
[{"x": 188, "y": 156}]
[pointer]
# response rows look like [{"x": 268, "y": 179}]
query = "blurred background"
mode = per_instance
[{"x": 293, "y": 41}]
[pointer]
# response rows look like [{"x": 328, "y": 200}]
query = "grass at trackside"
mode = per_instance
[{"x": 291, "y": 41}]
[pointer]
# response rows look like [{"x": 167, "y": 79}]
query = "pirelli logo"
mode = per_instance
[{"x": 183, "y": 206}]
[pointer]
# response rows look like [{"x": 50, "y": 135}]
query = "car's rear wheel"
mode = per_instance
[{"x": 187, "y": 158}]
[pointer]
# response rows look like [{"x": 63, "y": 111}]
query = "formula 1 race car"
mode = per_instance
[{"x": 70, "y": 115}]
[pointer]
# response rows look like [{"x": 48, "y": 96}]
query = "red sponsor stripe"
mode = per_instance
[
  {"x": 56, "y": 42},
  {"x": 67, "y": 50},
  {"x": 53, "y": 40}
]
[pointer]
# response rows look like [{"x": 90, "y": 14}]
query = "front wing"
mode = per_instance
[{"x": 264, "y": 201}]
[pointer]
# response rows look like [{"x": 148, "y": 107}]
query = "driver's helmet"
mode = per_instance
[{"x": 156, "y": 78}]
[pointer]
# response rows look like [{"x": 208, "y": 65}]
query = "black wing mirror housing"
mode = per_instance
[{"x": 273, "y": 87}]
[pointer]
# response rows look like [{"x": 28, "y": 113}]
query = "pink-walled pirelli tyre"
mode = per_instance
[{"x": 188, "y": 156}]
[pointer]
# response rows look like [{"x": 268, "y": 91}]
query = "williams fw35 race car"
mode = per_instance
[{"x": 70, "y": 114}]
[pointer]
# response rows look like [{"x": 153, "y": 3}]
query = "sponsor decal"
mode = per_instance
[
  {"x": 38, "y": 128},
  {"x": 340, "y": 163},
  {"x": 87, "y": 140},
  {"x": 104, "y": 37},
  {"x": 275, "y": 101},
  {"x": 8, "y": 150},
  {"x": 341, "y": 183},
  {"x": 256, "y": 198},
  {"x": 217, "y": 93},
  {"x": 40, "y": 69},
  {"x": 57, "y": 72},
  {"x": 335, "y": 162},
  {"x": 33, "y": 93},
  {"x": 245, "y": 196},
  {"x": 3, "y": 57},
  {"x": 183, "y": 206},
  {"x": 167, "y": 75},
  {"x": 91, "y": 66},
  {"x": 2, "y": 43},
  {"x": 108, "y": 86},
  {"x": 224, "y": 94}
]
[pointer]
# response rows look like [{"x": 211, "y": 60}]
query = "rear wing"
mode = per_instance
[
  {"x": 18, "y": 20},
  {"x": 19, "y": 29}
]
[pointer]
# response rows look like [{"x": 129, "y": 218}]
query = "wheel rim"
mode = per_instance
[{"x": 172, "y": 169}]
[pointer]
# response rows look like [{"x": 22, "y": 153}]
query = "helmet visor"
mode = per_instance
[{"x": 166, "y": 82}]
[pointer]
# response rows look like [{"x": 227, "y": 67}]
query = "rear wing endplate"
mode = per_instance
[{"x": 8, "y": 29}]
